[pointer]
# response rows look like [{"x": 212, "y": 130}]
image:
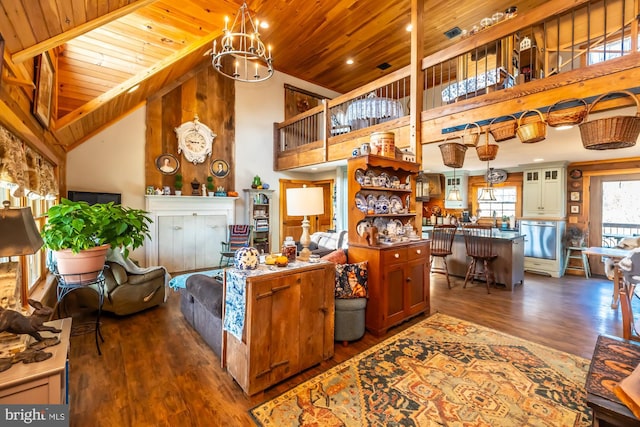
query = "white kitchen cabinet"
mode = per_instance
[
  {"x": 544, "y": 192},
  {"x": 461, "y": 182}
]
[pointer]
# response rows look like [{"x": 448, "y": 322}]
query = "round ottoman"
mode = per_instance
[{"x": 349, "y": 320}]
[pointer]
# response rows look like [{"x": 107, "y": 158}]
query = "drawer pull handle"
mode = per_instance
[
  {"x": 280, "y": 288},
  {"x": 419, "y": 251},
  {"x": 396, "y": 255},
  {"x": 275, "y": 365},
  {"x": 265, "y": 295},
  {"x": 408, "y": 279},
  {"x": 266, "y": 371}
]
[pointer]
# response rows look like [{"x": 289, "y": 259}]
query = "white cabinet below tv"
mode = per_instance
[{"x": 187, "y": 230}]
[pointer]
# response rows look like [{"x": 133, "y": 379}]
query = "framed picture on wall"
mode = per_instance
[
  {"x": 167, "y": 163},
  {"x": 44, "y": 88},
  {"x": 575, "y": 209},
  {"x": 574, "y": 196},
  {"x": 219, "y": 168}
]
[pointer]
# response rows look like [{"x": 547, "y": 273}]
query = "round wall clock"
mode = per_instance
[
  {"x": 496, "y": 176},
  {"x": 194, "y": 141}
]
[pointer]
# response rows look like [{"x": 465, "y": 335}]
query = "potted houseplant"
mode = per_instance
[
  {"x": 178, "y": 184},
  {"x": 574, "y": 237},
  {"x": 77, "y": 230},
  {"x": 210, "y": 186}
]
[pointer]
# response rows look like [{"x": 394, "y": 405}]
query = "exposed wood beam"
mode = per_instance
[
  {"x": 61, "y": 38},
  {"x": 417, "y": 77},
  {"x": 137, "y": 79}
]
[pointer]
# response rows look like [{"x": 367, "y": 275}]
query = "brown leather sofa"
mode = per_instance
[{"x": 126, "y": 293}]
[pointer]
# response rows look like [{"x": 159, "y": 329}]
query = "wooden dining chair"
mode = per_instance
[
  {"x": 478, "y": 240},
  {"x": 441, "y": 243},
  {"x": 239, "y": 237},
  {"x": 630, "y": 270}
]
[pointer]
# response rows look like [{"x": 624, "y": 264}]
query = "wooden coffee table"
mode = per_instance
[{"x": 613, "y": 360}]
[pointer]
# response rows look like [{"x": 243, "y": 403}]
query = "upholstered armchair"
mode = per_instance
[{"x": 127, "y": 293}]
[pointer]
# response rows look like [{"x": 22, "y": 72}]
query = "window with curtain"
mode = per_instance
[
  {"x": 504, "y": 205},
  {"x": 27, "y": 180}
]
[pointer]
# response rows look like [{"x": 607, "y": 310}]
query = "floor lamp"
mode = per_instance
[
  {"x": 302, "y": 202},
  {"x": 20, "y": 236}
]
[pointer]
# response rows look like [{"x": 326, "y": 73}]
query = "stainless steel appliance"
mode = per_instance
[{"x": 540, "y": 238}]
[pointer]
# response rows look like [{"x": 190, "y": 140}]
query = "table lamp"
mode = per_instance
[
  {"x": 20, "y": 236},
  {"x": 302, "y": 202}
]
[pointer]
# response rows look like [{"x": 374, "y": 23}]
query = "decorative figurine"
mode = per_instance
[{"x": 17, "y": 323}]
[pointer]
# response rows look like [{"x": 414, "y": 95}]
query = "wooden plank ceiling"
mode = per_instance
[{"x": 104, "y": 48}]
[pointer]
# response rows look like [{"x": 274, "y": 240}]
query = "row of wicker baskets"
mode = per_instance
[{"x": 599, "y": 134}]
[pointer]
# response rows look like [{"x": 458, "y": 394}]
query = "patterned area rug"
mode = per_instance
[{"x": 442, "y": 371}]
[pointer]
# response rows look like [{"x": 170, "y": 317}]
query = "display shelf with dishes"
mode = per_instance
[
  {"x": 384, "y": 222},
  {"x": 382, "y": 188}
]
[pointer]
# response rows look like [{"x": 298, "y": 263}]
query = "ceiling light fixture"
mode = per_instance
[
  {"x": 487, "y": 194},
  {"x": 242, "y": 56},
  {"x": 349, "y": 61},
  {"x": 409, "y": 28},
  {"x": 454, "y": 193}
]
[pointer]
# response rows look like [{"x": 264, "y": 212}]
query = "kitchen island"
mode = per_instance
[{"x": 508, "y": 267}]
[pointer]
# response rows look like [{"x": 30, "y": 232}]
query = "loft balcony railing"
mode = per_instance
[
  {"x": 382, "y": 101},
  {"x": 509, "y": 55}
]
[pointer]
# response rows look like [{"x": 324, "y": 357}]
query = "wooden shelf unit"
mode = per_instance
[{"x": 398, "y": 278}]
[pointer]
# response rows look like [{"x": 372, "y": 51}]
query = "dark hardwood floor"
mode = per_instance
[{"x": 156, "y": 371}]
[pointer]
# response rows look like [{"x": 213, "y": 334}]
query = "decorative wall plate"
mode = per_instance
[
  {"x": 575, "y": 173},
  {"x": 495, "y": 176}
]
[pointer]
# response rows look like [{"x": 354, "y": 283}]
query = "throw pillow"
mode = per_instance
[
  {"x": 351, "y": 280},
  {"x": 338, "y": 256}
]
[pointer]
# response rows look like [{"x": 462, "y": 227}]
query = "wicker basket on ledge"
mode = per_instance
[
  {"x": 502, "y": 131},
  {"x": 453, "y": 154},
  {"x": 611, "y": 132},
  {"x": 557, "y": 118}
]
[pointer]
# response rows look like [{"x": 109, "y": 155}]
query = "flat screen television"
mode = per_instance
[{"x": 94, "y": 197}]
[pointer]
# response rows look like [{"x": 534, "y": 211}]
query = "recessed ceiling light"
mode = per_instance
[
  {"x": 349, "y": 61},
  {"x": 264, "y": 24},
  {"x": 409, "y": 27},
  {"x": 538, "y": 160}
]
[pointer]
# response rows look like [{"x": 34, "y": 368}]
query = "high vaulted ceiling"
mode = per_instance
[{"x": 104, "y": 48}]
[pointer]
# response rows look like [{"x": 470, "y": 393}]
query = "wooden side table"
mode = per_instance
[
  {"x": 40, "y": 383},
  {"x": 613, "y": 360}
]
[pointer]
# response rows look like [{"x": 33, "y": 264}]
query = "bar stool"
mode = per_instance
[
  {"x": 479, "y": 243},
  {"x": 441, "y": 243},
  {"x": 570, "y": 254}
]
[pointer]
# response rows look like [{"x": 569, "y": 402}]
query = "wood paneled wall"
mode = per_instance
[{"x": 212, "y": 97}]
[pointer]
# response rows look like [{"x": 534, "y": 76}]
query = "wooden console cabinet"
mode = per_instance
[
  {"x": 40, "y": 383},
  {"x": 288, "y": 326},
  {"x": 398, "y": 282},
  {"x": 399, "y": 272}
]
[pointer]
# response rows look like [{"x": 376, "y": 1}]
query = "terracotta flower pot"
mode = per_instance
[{"x": 82, "y": 267}]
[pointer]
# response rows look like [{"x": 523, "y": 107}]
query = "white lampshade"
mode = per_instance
[
  {"x": 454, "y": 195},
  {"x": 305, "y": 201},
  {"x": 486, "y": 195}
]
